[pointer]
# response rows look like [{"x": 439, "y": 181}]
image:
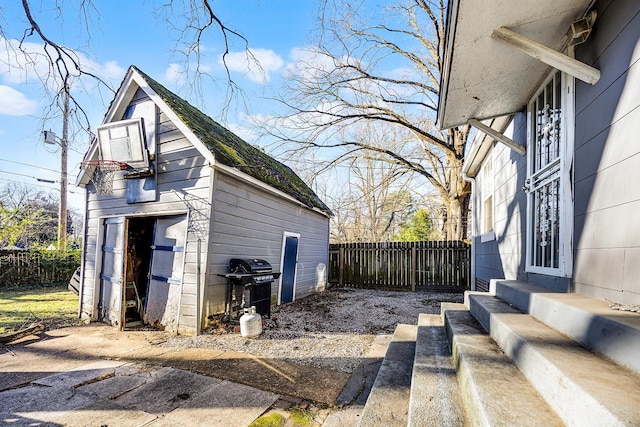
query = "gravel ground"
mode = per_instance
[{"x": 331, "y": 330}]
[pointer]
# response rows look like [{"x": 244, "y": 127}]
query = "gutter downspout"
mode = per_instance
[{"x": 472, "y": 181}]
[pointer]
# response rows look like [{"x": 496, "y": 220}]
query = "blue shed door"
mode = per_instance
[
  {"x": 164, "y": 287},
  {"x": 289, "y": 267}
]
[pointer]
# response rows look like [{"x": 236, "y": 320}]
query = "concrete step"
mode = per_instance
[
  {"x": 583, "y": 387},
  {"x": 589, "y": 321},
  {"x": 388, "y": 402},
  {"x": 435, "y": 395},
  {"x": 494, "y": 391}
]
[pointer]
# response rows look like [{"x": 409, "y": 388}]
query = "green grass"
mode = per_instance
[
  {"x": 56, "y": 307},
  {"x": 301, "y": 417},
  {"x": 271, "y": 420}
]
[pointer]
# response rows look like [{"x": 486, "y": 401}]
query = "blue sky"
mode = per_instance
[{"x": 127, "y": 33}]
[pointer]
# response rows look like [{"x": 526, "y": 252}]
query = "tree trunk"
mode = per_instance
[{"x": 459, "y": 193}]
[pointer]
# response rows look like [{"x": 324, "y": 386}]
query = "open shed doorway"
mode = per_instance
[
  {"x": 142, "y": 271},
  {"x": 140, "y": 233}
]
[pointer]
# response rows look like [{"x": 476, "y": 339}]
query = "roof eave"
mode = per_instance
[
  {"x": 481, "y": 145},
  {"x": 484, "y": 77}
]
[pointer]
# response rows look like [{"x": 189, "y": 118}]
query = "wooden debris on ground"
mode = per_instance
[{"x": 34, "y": 328}]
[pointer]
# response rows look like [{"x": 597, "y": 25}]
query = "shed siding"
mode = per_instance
[
  {"x": 247, "y": 222},
  {"x": 183, "y": 182},
  {"x": 607, "y": 160}
]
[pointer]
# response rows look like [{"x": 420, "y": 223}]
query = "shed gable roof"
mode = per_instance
[{"x": 227, "y": 148}]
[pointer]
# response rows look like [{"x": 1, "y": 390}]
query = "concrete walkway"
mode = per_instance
[{"x": 95, "y": 375}]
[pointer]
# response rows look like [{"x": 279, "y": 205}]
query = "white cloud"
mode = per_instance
[
  {"x": 172, "y": 74},
  {"x": 245, "y": 62},
  {"x": 245, "y": 133},
  {"x": 29, "y": 62},
  {"x": 111, "y": 70},
  {"x": 14, "y": 103}
]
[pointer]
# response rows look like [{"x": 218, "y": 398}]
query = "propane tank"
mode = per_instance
[{"x": 250, "y": 323}]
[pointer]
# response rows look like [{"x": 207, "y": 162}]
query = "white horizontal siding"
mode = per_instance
[
  {"x": 183, "y": 183},
  {"x": 248, "y": 222}
]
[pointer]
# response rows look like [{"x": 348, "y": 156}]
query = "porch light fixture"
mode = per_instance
[{"x": 581, "y": 29}]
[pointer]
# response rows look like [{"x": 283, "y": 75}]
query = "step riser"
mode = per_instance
[
  {"x": 470, "y": 394},
  {"x": 599, "y": 329},
  {"x": 575, "y": 405},
  {"x": 388, "y": 402},
  {"x": 494, "y": 391},
  {"x": 435, "y": 395}
]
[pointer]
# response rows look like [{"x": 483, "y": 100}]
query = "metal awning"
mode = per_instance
[{"x": 485, "y": 77}]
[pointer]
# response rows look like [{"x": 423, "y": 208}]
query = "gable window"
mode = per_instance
[
  {"x": 486, "y": 199},
  {"x": 549, "y": 202}
]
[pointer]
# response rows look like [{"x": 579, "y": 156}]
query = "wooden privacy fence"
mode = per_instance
[
  {"x": 18, "y": 268},
  {"x": 441, "y": 266}
]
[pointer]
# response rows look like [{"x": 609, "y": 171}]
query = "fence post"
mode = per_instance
[
  {"x": 341, "y": 266},
  {"x": 413, "y": 267}
]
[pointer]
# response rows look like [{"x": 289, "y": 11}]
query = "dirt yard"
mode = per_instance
[{"x": 331, "y": 330}]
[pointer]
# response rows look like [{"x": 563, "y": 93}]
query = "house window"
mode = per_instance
[
  {"x": 550, "y": 142},
  {"x": 486, "y": 198}
]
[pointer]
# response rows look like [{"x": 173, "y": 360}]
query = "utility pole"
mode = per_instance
[
  {"x": 51, "y": 138},
  {"x": 64, "y": 148}
]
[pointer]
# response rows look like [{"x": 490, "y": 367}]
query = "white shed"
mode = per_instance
[{"x": 192, "y": 195}]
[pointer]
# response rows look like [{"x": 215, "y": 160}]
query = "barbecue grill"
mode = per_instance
[{"x": 249, "y": 283}]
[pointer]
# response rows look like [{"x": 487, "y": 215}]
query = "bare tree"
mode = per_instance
[
  {"x": 372, "y": 198},
  {"x": 63, "y": 68},
  {"x": 373, "y": 66}
]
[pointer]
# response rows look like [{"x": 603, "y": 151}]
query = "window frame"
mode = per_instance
[{"x": 487, "y": 191}]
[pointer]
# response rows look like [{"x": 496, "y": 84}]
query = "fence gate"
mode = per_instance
[{"x": 432, "y": 265}]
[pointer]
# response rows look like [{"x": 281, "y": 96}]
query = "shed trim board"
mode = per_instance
[{"x": 84, "y": 251}]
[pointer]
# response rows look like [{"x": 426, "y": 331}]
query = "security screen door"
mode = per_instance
[{"x": 548, "y": 183}]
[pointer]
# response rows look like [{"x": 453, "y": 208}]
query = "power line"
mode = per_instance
[
  {"x": 47, "y": 181},
  {"x": 27, "y": 164},
  {"x": 30, "y": 176},
  {"x": 22, "y": 182}
]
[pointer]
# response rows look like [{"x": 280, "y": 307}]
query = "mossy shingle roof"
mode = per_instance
[{"x": 231, "y": 150}]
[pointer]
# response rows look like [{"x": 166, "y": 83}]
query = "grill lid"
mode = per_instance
[{"x": 249, "y": 266}]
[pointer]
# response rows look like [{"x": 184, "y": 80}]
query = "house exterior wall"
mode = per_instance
[
  {"x": 606, "y": 173},
  {"x": 183, "y": 183},
  {"x": 248, "y": 222},
  {"x": 607, "y": 160},
  {"x": 503, "y": 255}
]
